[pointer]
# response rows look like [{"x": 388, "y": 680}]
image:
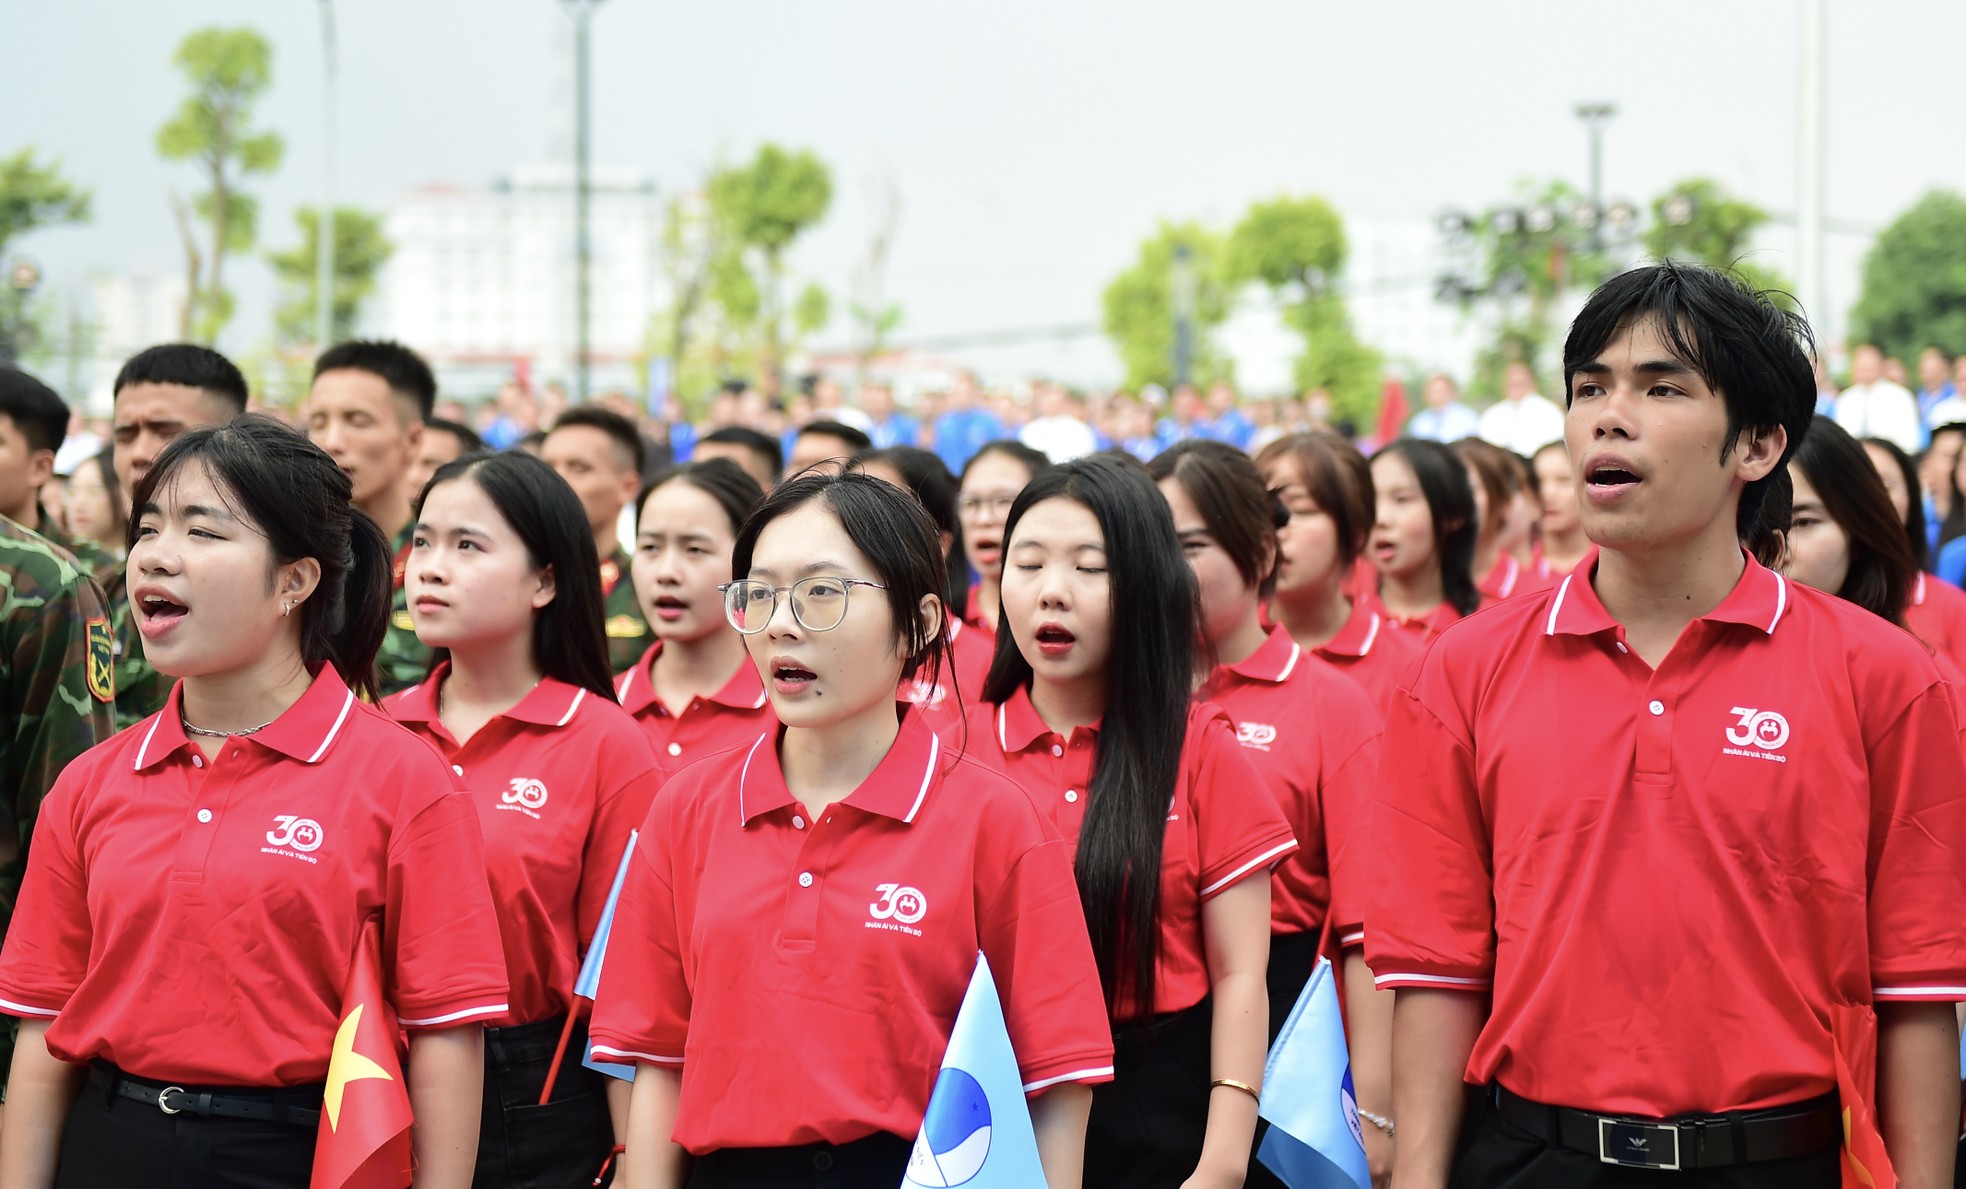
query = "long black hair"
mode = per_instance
[
  {"x": 569, "y": 636},
  {"x": 1921, "y": 550},
  {"x": 1155, "y": 617},
  {"x": 1882, "y": 566},
  {"x": 934, "y": 484},
  {"x": 1226, "y": 488},
  {"x": 1443, "y": 480},
  {"x": 273, "y": 478}
]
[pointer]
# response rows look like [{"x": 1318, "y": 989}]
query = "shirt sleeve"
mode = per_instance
[
  {"x": 642, "y": 1009},
  {"x": 440, "y": 929},
  {"x": 621, "y": 809},
  {"x": 1347, "y": 796},
  {"x": 1238, "y": 825},
  {"x": 1917, "y": 854},
  {"x": 1430, "y": 907},
  {"x": 48, "y": 942}
]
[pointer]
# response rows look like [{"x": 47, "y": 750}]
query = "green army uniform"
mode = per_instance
[
  {"x": 403, "y": 660},
  {"x": 99, "y": 563},
  {"x": 628, "y": 632},
  {"x": 141, "y": 691},
  {"x": 57, "y": 691}
]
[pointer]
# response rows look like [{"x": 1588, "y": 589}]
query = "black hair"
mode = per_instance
[
  {"x": 1953, "y": 524},
  {"x": 756, "y": 441},
  {"x": 1241, "y": 513},
  {"x": 1338, "y": 480},
  {"x": 1769, "y": 541},
  {"x": 569, "y": 636},
  {"x": 1921, "y": 551},
  {"x": 935, "y": 486},
  {"x": 1754, "y": 354},
  {"x": 1034, "y": 460},
  {"x": 407, "y": 375},
  {"x": 270, "y": 475},
  {"x": 1500, "y": 475},
  {"x": 1882, "y": 567},
  {"x": 1155, "y": 618},
  {"x": 735, "y": 489},
  {"x": 39, "y": 414},
  {"x": 898, "y": 539},
  {"x": 1443, "y": 479},
  {"x": 855, "y": 439},
  {"x": 627, "y": 439},
  {"x": 467, "y": 438},
  {"x": 190, "y": 365}
]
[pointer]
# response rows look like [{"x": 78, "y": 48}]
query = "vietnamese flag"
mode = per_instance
[
  {"x": 1393, "y": 411},
  {"x": 1853, "y": 1031},
  {"x": 364, "y": 1141}
]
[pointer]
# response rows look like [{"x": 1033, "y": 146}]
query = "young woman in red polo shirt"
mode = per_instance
[
  {"x": 1423, "y": 537},
  {"x": 1087, "y": 706},
  {"x": 1936, "y": 613},
  {"x": 1844, "y": 537},
  {"x": 1506, "y": 519},
  {"x": 504, "y": 588},
  {"x": 1561, "y": 543},
  {"x": 991, "y": 479},
  {"x": 694, "y": 692},
  {"x": 199, "y": 884},
  {"x": 802, "y": 915},
  {"x": 1326, "y": 486}
]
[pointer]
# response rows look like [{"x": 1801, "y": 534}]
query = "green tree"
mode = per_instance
[
  {"x": 1138, "y": 306},
  {"x": 360, "y": 250},
  {"x": 765, "y": 206},
  {"x": 1914, "y": 293},
  {"x": 32, "y": 195},
  {"x": 1296, "y": 247},
  {"x": 1697, "y": 219},
  {"x": 229, "y": 70}
]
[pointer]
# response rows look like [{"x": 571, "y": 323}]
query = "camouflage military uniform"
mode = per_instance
[
  {"x": 57, "y": 691},
  {"x": 628, "y": 632},
  {"x": 99, "y": 563},
  {"x": 403, "y": 660},
  {"x": 141, "y": 691}
]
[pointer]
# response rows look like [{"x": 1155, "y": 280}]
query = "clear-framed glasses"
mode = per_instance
[
  {"x": 970, "y": 507},
  {"x": 818, "y": 603}
]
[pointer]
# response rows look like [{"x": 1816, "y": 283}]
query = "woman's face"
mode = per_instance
[
  {"x": 1556, "y": 483},
  {"x": 1894, "y": 479},
  {"x": 682, "y": 553},
  {"x": 1819, "y": 550},
  {"x": 470, "y": 579},
  {"x": 1057, "y": 597},
  {"x": 1402, "y": 523},
  {"x": 1227, "y": 602},
  {"x": 987, "y": 492},
  {"x": 91, "y": 513},
  {"x": 1307, "y": 547}
]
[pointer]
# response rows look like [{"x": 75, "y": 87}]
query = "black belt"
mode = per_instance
[
  {"x": 1698, "y": 1141},
  {"x": 285, "y": 1104}
]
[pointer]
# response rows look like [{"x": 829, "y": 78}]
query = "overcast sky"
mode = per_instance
[{"x": 1033, "y": 142}]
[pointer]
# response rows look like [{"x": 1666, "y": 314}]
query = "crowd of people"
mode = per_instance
[{"x": 1607, "y": 747}]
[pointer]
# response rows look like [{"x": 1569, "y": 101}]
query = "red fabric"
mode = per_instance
[
  {"x": 805, "y": 974},
  {"x": 957, "y": 687},
  {"x": 1393, "y": 412},
  {"x": 559, "y": 781},
  {"x": 1510, "y": 579},
  {"x": 731, "y": 717},
  {"x": 1420, "y": 628},
  {"x": 364, "y": 1140},
  {"x": 1937, "y": 615},
  {"x": 1764, "y": 827},
  {"x": 1866, "y": 1164},
  {"x": 1370, "y": 653},
  {"x": 1223, "y": 827},
  {"x": 158, "y": 876}
]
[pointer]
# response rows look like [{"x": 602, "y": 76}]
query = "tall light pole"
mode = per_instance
[
  {"x": 1595, "y": 116},
  {"x": 1184, "y": 313},
  {"x": 1811, "y": 151},
  {"x": 324, "y": 225},
  {"x": 582, "y": 12}
]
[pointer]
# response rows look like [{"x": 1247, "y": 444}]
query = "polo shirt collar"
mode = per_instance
[
  {"x": 1273, "y": 662},
  {"x": 1018, "y": 723},
  {"x": 1918, "y": 590},
  {"x": 636, "y": 690},
  {"x": 1360, "y": 633},
  {"x": 1759, "y": 600},
  {"x": 895, "y": 788},
  {"x": 305, "y": 732},
  {"x": 551, "y": 703}
]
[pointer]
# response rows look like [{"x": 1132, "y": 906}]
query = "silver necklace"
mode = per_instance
[{"x": 211, "y": 734}]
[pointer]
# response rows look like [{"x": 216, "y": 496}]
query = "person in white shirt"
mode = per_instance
[
  {"x": 1521, "y": 421},
  {"x": 1056, "y": 432},
  {"x": 1445, "y": 419},
  {"x": 1874, "y": 407}
]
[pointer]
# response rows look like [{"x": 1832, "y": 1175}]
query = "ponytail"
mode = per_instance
[{"x": 362, "y": 604}]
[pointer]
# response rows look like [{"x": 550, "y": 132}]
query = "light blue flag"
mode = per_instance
[
  {"x": 977, "y": 1132},
  {"x": 1314, "y": 1140},
  {"x": 589, "y": 982}
]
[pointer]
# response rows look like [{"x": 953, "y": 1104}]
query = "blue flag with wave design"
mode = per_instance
[
  {"x": 977, "y": 1131},
  {"x": 1314, "y": 1140}
]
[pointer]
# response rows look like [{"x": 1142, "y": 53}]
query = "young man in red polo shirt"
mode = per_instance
[{"x": 1683, "y": 823}]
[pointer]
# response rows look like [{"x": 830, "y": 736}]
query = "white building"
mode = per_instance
[
  {"x": 482, "y": 281},
  {"x": 1391, "y": 275},
  {"x": 128, "y": 312}
]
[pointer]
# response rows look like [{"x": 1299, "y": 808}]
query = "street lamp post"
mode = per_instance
[
  {"x": 1184, "y": 314},
  {"x": 582, "y": 12},
  {"x": 1595, "y": 116},
  {"x": 324, "y": 245},
  {"x": 22, "y": 279}
]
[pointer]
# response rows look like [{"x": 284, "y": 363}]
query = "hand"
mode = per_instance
[
  {"x": 1379, "y": 1156},
  {"x": 1205, "y": 1177}
]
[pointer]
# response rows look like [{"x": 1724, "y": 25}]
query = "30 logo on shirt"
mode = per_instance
[
  {"x": 294, "y": 837},
  {"x": 1257, "y": 735},
  {"x": 899, "y": 908},
  {"x": 527, "y": 796},
  {"x": 1757, "y": 734}
]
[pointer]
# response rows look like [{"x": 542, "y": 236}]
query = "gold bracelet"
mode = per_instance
[{"x": 1233, "y": 1084}]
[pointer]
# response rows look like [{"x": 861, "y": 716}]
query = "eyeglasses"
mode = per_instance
[
  {"x": 818, "y": 603},
  {"x": 997, "y": 505}
]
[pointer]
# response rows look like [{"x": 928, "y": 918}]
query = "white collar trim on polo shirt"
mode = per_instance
[
  {"x": 1371, "y": 633},
  {"x": 744, "y": 774},
  {"x": 1556, "y": 604},
  {"x": 579, "y": 696},
  {"x": 1781, "y": 603},
  {"x": 347, "y": 704},
  {"x": 928, "y": 774}
]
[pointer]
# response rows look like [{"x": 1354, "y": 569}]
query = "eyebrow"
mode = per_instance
[
  {"x": 687, "y": 535},
  {"x": 190, "y": 510},
  {"x": 817, "y": 567},
  {"x": 462, "y": 530},
  {"x": 1651, "y": 367}
]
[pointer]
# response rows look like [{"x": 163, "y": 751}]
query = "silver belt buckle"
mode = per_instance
[
  {"x": 163, "y": 1097},
  {"x": 1638, "y": 1143}
]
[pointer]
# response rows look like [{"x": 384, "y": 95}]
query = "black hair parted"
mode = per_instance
[
  {"x": 1034, "y": 460},
  {"x": 735, "y": 489},
  {"x": 293, "y": 493},
  {"x": 1751, "y": 352},
  {"x": 569, "y": 634},
  {"x": 407, "y": 375},
  {"x": 890, "y": 527},
  {"x": 1443, "y": 480},
  {"x": 1241, "y": 513},
  {"x": 1152, "y": 653},
  {"x": 191, "y": 366},
  {"x": 36, "y": 411}
]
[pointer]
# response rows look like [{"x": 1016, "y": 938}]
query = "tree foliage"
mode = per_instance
[
  {"x": 1914, "y": 287},
  {"x": 360, "y": 251},
  {"x": 34, "y": 194},
  {"x": 761, "y": 208},
  {"x": 1138, "y": 306},
  {"x": 1697, "y": 219},
  {"x": 228, "y": 71},
  {"x": 1296, "y": 247}
]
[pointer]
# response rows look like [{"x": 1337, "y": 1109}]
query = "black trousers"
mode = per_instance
[
  {"x": 1495, "y": 1154},
  {"x": 1292, "y": 958},
  {"x": 1148, "y": 1123},
  {"x": 116, "y": 1143},
  {"x": 523, "y": 1145},
  {"x": 878, "y": 1160}
]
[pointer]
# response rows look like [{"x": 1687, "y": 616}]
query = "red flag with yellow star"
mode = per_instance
[
  {"x": 365, "y": 1118},
  {"x": 1853, "y": 1029}
]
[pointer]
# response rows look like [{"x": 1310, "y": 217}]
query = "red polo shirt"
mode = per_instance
[
  {"x": 958, "y": 686},
  {"x": 1223, "y": 826},
  {"x": 1365, "y": 651},
  {"x": 1420, "y": 628},
  {"x": 193, "y": 921},
  {"x": 1671, "y": 876},
  {"x": 805, "y": 973},
  {"x": 559, "y": 780},
  {"x": 1937, "y": 615},
  {"x": 734, "y": 715},
  {"x": 1508, "y": 579},
  {"x": 1313, "y": 734}
]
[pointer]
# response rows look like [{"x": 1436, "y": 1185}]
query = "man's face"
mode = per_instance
[
  {"x": 355, "y": 417},
  {"x": 814, "y": 448},
  {"x": 877, "y": 401},
  {"x": 148, "y": 416},
  {"x": 755, "y": 464},
  {"x": 1440, "y": 392},
  {"x": 1518, "y": 381},
  {"x": 23, "y": 470},
  {"x": 1933, "y": 368},
  {"x": 438, "y": 447},
  {"x": 1866, "y": 366},
  {"x": 590, "y": 461}
]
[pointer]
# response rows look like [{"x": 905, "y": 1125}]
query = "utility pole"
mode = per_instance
[
  {"x": 582, "y": 12},
  {"x": 1184, "y": 313},
  {"x": 1595, "y": 116},
  {"x": 324, "y": 226},
  {"x": 1811, "y": 152}
]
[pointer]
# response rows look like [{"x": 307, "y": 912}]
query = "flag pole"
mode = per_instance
[{"x": 560, "y": 1051}]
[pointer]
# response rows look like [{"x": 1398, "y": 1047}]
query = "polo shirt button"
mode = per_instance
[
  {"x": 1071, "y": 796},
  {"x": 798, "y": 823},
  {"x": 458, "y": 768},
  {"x": 204, "y": 815},
  {"x": 1057, "y": 750},
  {"x": 1657, "y": 707},
  {"x": 822, "y": 1161},
  {"x": 805, "y": 879},
  {"x": 197, "y": 761},
  {"x": 675, "y": 749}
]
